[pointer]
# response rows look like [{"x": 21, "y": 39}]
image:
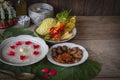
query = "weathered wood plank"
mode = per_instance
[
  {"x": 116, "y": 10},
  {"x": 108, "y": 6},
  {"x": 83, "y": 7},
  {"x": 78, "y": 7},
  {"x": 93, "y": 7},
  {"x": 106, "y": 79},
  {"x": 55, "y": 4},
  {"x": 98, "y": 27}
]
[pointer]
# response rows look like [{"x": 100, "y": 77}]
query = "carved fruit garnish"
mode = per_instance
[
  {"x": 36, "y": 52},
  {"x": 23, "y": 57},
  {"x": 11, "y": 53},
  {"x": 28, "y": 42},
  {"x": 36, "y": 46}
]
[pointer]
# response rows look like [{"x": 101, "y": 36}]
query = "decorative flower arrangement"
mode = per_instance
[{"x": 7, "y": 14}]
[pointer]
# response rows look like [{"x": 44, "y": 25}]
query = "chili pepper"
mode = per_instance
[
  {"x": 56, "y": 37},
  {"x": 52, "y": 30}
]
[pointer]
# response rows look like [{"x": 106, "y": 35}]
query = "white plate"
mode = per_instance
[
  {"x": 74, "y": 32},
  {"x": 5, "y": 48},
  {"x": 70, "y": 45}
]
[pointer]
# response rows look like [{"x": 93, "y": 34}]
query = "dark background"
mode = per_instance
[{"x": 83, "y": 7}]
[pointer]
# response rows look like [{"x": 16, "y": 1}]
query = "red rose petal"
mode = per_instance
[
  {"x": 36, "y": 52},
  {"x": 18, "y": 43},
  {"x": 36, "y": 46},
  {"x": 52, "y": 72},
  {"x": 28, "y": 42},
  {"x": 11, "y": 53},
  {"x": 12, "y": 47},
  {"x": 22, "y": 57},
  {"x": 45, "y": 70}
]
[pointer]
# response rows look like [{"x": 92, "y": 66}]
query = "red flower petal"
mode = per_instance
[
  {"x": 36, "y": 46},
  {"x": 45, "y": 70},
  {"x": 45, "y": 77},
  {"x": 11, "y": 53},
  {"x": 22, "y": 57},
  {"x": 12, "y": 47},
  {"x": 18, "y": 43},
  {"x": 36, "y": 52},
  {"x": 52, "y": 72},
  {"x": 28, "y": 42}
]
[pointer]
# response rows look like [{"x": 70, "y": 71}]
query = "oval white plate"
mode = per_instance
[
  {"x": 74, "y": 32},
  {"x": 35, "y": 40},
  {"x": 70, "y": 45}
]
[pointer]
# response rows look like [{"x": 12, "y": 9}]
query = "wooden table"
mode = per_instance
[{"x": 100, "y": 35}]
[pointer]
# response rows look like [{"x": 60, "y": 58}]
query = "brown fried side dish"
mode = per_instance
[{"x": 65, "y": 55}]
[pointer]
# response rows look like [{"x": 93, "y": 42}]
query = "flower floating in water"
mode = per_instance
[
  {"x": 36, "y": 46},
  {"x": 13, "y": 47},
  {"x": 28, "y": 42},
  {"x": 11, "y": 53}
]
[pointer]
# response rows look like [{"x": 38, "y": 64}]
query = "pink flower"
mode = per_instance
[
  {"x": 45, "y": 70},
  {"x": 52, "y": 72}
]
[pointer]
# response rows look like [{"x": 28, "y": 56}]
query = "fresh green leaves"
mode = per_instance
[
  {"x": 1, "y": 38},
  {"x": 9, "y": 32},
  {"x": 62, "y": 16},
  {"x": 85, "y": 71}
]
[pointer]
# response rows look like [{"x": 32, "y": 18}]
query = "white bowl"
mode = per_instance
[
  {"x": 74, "y": 32},
  {"x": 70, "y": 45},
  {"x": 40, "y": 11},
  {"x": 14, "y": 60}
]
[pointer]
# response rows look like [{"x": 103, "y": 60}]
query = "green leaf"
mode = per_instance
[
  {"x": 9, "y": 32},
  {"x": 1, "y": 38},
  {"x": 63, "y": 15}
]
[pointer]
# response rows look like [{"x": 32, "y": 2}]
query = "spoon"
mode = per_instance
[{"x": 21, "y": 76}]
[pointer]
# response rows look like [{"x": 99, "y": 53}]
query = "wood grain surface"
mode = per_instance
[
  {"x": 100, "y": 35},
  {"x": 83, "y": 7}
]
